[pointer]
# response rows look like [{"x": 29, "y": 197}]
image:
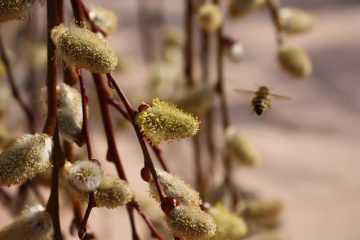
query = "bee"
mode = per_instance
[{"x": 262, "y": 99}]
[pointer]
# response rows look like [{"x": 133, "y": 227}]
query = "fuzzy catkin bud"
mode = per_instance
[
  {"x": 33, "y": 224},
  {"x": 191, "y": 223},
  {"x": 175, "y": 187},
  {"x": 198, "y": 100},
  {"x": 263, "y": 212},
  {"x": 85, "y": 175},
  {"x": 28, "y": 156},
  {"x": 228, "y": 225},
  {"x": 70, "y": 114},
  {"x": 112, "y": 192},
  {"x": 294, "y": 20},
  {"x": 163, "y": 122},
  {"x": 240, "y": 148},
  {"x": 173, "y": 37},
  {"x": 240, "y": 8},
  {"x": 82, "y": 48},
  {"x": 14, "y": 9},
  {"x": 104, "y": 19},
  {"x": 210, "y": 17},
  {"x": 235, "y": 52},
  {"x": 295, "y": 60}
]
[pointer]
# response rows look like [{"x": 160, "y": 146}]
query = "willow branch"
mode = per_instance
[{"x": 273, "y": 7}]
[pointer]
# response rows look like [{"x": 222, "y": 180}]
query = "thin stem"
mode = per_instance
[
  {"x": 91, "y": 205},
  {"x": 54, "y": 17},
  {"x": 113, "y": 155},
  {"x": 156, "y": 150},
  {"x": 147, "y": 159},
  {"x": 189, "y": 46},
  {"x": 189, "y": 73},
  {"x": 14, "y": 88},
  {"x": 273, "y": 7},
  {"x": 84, "y": 101}
]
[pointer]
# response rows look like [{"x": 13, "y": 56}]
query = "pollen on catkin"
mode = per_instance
[
  {"x": 104, "y": 19},
  {"x": 239, "y": 148},
  {"x": 70, "y": 114},
  {"x": 14, "y": 9},
  {"x": 295, "y": 60},
  {"x": 174, "y": 186},
  {"x": 85, "y": 175},
  {"x": 228, "y": 225},
  {"x": 199, "y": 99},
  {"x": 28, "y": 156},
  {"x": 294, "y": 20},
  {"x": 191, "y": 223},
  {"x": 163, "y": 122},
  {"x": 33, "y": 224},
  {"x": 210, "y": 17},
  {"x": 82, "y": 48}
]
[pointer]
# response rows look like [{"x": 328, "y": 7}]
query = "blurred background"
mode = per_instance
[{"x": 309, "y": 146}]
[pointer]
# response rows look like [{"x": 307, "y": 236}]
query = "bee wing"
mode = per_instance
[
  {"x": 279, "y": 97},
  {"x": 245, "y": 92}
]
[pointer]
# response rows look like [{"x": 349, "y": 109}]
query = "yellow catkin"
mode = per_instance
[
  {"x": 104, "y": 19},
  {"x": 198, "y": 99},
  {"x": 294, "y": 20},
  {"x": 295, "y": 60},
  {"x": 191, "y": 223},
  {"x": 25, "y": 158},
  {"x": 173, "y": 37},
  {"x": 210, "y": 17},
  {"x": 163, "y": 122},
  {"x": 239, "y": 148},
  {"x": 82, "y": 48},
  {"x": 112, "y": 192},
  {"x": 33, "y": 224},
  {"x": 263, "y": 212},
  {"x": 240, "y": 8},
  {"x": 228, "y": 225},
  {"x": 14, "y": 9},
  {"x": 174, "y": 186}
]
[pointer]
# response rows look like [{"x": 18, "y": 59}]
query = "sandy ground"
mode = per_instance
[{"x": 309, "y": 145}]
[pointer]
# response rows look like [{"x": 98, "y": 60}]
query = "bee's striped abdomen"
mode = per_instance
[{"x": 260, "y": 104}]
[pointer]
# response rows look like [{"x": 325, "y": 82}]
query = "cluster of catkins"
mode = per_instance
[{"x": 187, "y": 216}]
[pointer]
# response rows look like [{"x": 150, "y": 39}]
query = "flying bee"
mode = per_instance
[{"x": 262, "y": 99}]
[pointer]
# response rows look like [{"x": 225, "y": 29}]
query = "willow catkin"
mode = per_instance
[
  {"x": 85, "y": 175},
  {"x": 295, "y": 60},
  {"x": 199, "y": 99},
  {"x": 228, "y": 225},
  {"x": 210, "y": 17},
  {"x": 70, "y": 114},
  {"x": 28, "y": 156},
  {"x": 173, "y": 37},
  {"x": 111, "y": 193},
  {"x": 82, "y": 48},
  {"x": 14, "y": 9},
  {"x": 235, "y": 52},
  {"x": 33, "y": 224},
  {"x": 294, "y": 20},
  {"x": 239, "y": 148},
  {"x": 191, "y": 223},
  {"x": 240, "y": 8},
  {"x": 174, "y": 186},
  {"x": 163, "y": 122},
  {"x": 263, "y": 212},
  {"x": 104, "y": 19}
]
